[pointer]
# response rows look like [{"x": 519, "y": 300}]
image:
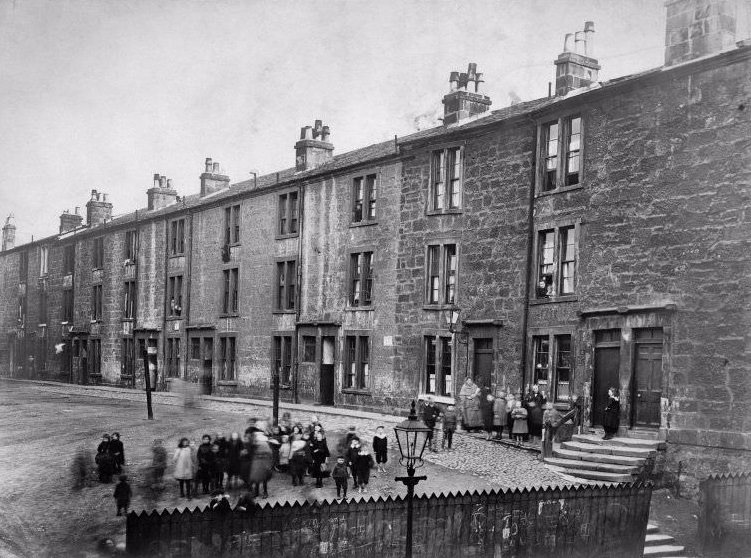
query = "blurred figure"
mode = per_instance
[
  {"x": 220, "y": 449},
  {"x": 158, "y": 464},
  {"x": 80, "y": 468},
  {"x": 352, "y": 452},
  {"x": 284, "y": 454},
  {"x": 363, "y": 464},
  {"x": 118, "y": 452},
  {"x": 123, "y": 494},
  {"x": 297, "y": 462},
  {"x": 183, "y": 459},
  {"x": 206, "y": 463},
  {"x": 261, "y": 465},
  {"x": 104, "y": 460},
  {"x": 234, "y": 447},
  {"x": 450, "y": 421},
  {"x": 285, "y": 423},
  {"x": 320, "y": 453}
]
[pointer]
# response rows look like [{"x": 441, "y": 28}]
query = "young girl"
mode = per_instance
[
  {"x": 320, "y": 453},
  {"x": 519, "y": 415},
  {"x": 284, "y": 454},
  {"x": 183, "y": 459},
  {"x": 380, "y": 448}
]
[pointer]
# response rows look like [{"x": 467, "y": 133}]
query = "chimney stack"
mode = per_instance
[
  {"x": 696, "y": 28},
  {"x": 576, "y": 67},
  {"x": 314, "y": 147},
  {"x": 70, "y": 221},
  {"x": 162, "y": 194},
  {"x": 212, "y": 180},
  {"x": 464, "y": 98},
  {"x": 98, "y": 209},
  {"x": 9, "y": 233}
]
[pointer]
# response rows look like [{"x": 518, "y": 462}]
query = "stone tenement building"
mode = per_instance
[{"x": 597, "y": 237}]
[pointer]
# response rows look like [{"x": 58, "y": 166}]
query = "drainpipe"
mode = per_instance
[
  {"x": 135, "y": 302},
  {"x": 530, "y": 248},
  {"x": 298, "y": 287},
  {"x": 186, "y": 320}
]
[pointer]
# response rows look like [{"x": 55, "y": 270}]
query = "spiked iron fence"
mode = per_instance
[
  {"x": 725, "y": 511},
  {"x": 586, "y": 521}
]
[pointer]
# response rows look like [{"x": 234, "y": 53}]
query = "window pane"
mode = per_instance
[
  {"x": 542, "y": 361},
  {"x": 291, "y": 280},
  {"x": 573, "y": 151},
  {"x": 563, "y": 367},
  {"x": 372, "y": 195},
  {"x": 439, "y": 179},
  {"x": 364, "y": 362},
  {"x": 286, "y": 360},
  {"x": 236, "y": 225},
  {"x": 447, "y": 382},
  {"x": 309, "y": 348},
  {"x": 546, "y": 249},
  {"x": 367, "y": 278},
  {"x": 455, "y": 174},
  {"x": 283, "y": 214},
  {"x": 357, "y": 196},
  {"x": 434, "y": 279},
  {"x": 451, "y": 261},
  {"x": 292, "y": 212},
  {"x": 349, "y": 380},
  {"x": 568, "y": 259},
  {"x": 430, "y": 365},
  {"x": 280, "y": 277}
]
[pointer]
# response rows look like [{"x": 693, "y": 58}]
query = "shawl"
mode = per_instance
[{"x": 469, "y": 389}]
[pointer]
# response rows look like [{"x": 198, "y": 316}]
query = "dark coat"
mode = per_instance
[
  {"x": 234, "y": 447},
  {"x": 263, "y": 461},
  {"x": 340, "y": 471},
  {"x": 246, "y": 456},
  {"x": 380, "y": 445},
  {"x": 104, "y": 447},
  {"x": 449, "y": 420},
  {"x": 117, "y": 449},
  {"x": 159, "y": 457},
  {"x": 123, "y": 492},
  {"x": 363, "y": 465},
  {"x": 611, "y": 419},
  {"x": 486, "y": 408},
  {"x": 430, "y": 415},
  {"x": 319, "y": 451},
  {"x": 206, "y": 459}
]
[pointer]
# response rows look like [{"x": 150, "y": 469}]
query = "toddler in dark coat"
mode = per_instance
[
  {"x": 340, "y": 475},
  {"x": 363, "y": 464},
  {"x": 123, "y": 494}
]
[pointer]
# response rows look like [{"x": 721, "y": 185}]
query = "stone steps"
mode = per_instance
[
  {"x": 653, "y": 445},
  {"x": 589, "y": 475},
  {"x": 608, "y": 449},
  {"x": 663, "y": 551},
  {"x": 658, "y": 545},
  {"x": 598, "y": 457},
  {"x": 579, "y": 465}
]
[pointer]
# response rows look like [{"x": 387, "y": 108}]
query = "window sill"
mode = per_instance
[
  {"x": 363, "y": 223},
  {"x": 356, "y": 391},
  {"x": 292, "y": 311},
  {"x": 285, "y": 236},
  {"x": 457, "y": 211},
  {"x": 229, "y": 383},
  {"x": 438, "y": 307},
  {"x": 553, "y": 300},
  {"x": 173, "y": 318},
  {"x": 445, "y": 399},
  {"x": 368, "y": 308},
  {"x": 177, "y": 255},
  {"x": 560, "y": 190},
  {"x": 127, "y": 319},
  {"x": 96, "y": 321},
  {"x": 235, "y": 315}
]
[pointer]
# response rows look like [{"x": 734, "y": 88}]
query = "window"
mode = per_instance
[
  {"x": 22, "y": 309},
  {"x": 131, "y": 246},
  {"x": 556, "y": 262},
  {"x": 357, "y": 367},
  {"x": 553, "y": 371},
  {"x": 23, "y": 266},
  {"x": 288, "y": 213},
  {"x": 439, "y": 380},
  {"x": 286, "y": 275},
  {"x": 173, "y": 357},
  {"x": 68, "y": 305},
  {"x": 96, "y": 303},
  {"x": 309, "y": 348},
  {"x": 441, "y": 274},
  {"x": 283, "y": 358},
  {"x": 230, "y": 299},
  {"x": 69, "y": 259},
  {"x": 129, "y": 357},
  {"x": 446, "y": 179},
  {"x": 177, "y": 237},
  {"x": 364, "y": 195},
  {"x": 227, "y": 358},
  {"x": 95, "y": 357},
  {"x": 42, "y": 306},
  {"x": 232, "y": 225},
  {"x": 41, "y": 357},
  {"x": 361, "y": 279},
  {"x": 175, "y": 296},
  {"x": 98, "y": 255},
  {"x": 561, "y": 153},
  {"x": 44, "y": 256},
  {"x": 129, "y": 304},
  {"x": 195, "y": 348}
]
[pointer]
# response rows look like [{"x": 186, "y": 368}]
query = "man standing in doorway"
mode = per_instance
[{"x": 429, "y": 416}]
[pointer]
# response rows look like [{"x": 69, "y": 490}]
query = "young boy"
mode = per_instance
[
  {"x": 352, "y": 452},
  {"x": 449, "y": 426},
  {"x": 340, "y": 476},
  {"x": 380, "y": 448},
  {"x": 122, "y": 494},
  {"x": 363, "y": 464}
]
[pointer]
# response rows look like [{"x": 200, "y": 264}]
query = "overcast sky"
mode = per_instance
[{"x": 103, "y": 94}]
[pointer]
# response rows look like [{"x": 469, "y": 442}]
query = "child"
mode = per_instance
[
  {"x": 340, "y": 476},
  {"x": 284, "y": 453},
  {"x": 449, "y": 426},
  {"x": 352, "y": 452},
  {"x": 519, "y": 415},
  {"x": 363, "y": 465},
  {"x": 380, "y": 447},
  {"x": 122, "y": 494}
]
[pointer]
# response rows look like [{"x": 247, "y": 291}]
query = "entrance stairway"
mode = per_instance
[
  {"x": 590, "y": 458},
  {"x": 657, "y": 545}
]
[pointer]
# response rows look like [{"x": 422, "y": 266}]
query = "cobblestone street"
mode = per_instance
[{"x": 43, "y": 425}]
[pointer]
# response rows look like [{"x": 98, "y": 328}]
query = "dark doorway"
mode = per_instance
[
  {"x": 483, "y": 369},
  {"x": 328, "y": 345},
  {"x": 83, "y": 365},
  {"x": 207, "y": 379},
  {"x": 607, "y": 364},
  {"x": 647, "y": 377}
]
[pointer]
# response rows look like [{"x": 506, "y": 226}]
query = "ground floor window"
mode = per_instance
[
  {"x": 283, "y": 358},
  {"x": 227, "y": 358},
  {"x": 129, "y": 357},
  {"x": 553, "y": 365},
  {"x": 357, "y": 366},
  {"x": 173, "y": 357},
  {"x": 95, "y": 356},
  {"x": 438, "y": 377}
]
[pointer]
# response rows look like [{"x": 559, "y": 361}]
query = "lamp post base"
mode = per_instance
[{"x": 410, "y": 481}]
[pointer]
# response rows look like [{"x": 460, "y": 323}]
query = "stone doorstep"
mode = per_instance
[
  {"x": 663, "y": 550},
  {"x": 658, "y": 539},
  {"x": 599, "y": 457},
  {"x": 592, "y": 466},
  {"x": 583, "y": 475},
  {"x": 627, "y": 442},
  {"x": 652, "y": 529},
  {"x": 608, "y": 450}
]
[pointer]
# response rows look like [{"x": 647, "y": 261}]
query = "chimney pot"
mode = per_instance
[
  {"x": 169, "y": 183},
  {"x": 104, "y": 198},
  {"x": 318, "y": 128},
  {"x": 216, "y": 168},
  {"x": 93, "y": 195},
  {"x": 156, "y": 180},
  {"x": 325, "y": 134},
  {"x": 208, "y": 164},
  {"x": 454, "y": 81},
  {"x": 78, "y": 209},
  {"x": 162, "y": 181},
  {"x": 589, "y": 39},
  {"x": 568, "y": 43},
  {"x": 307, "y": 132},
  {"x": 579, "y": 42}
]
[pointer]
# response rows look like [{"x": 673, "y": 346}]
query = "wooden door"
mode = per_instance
[
  {"x": 607, "y": 362},
  {"x": 648, "y": 377},
  {"x": 483, "y": 369},
  {"x": 207, "y": 379},
  {"x": 327, "y": 370}
]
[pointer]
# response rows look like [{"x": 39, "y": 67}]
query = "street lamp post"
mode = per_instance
[{"x": 411, "y": 436}]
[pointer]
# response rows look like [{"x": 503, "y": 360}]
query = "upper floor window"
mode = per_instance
[
  {"x": 129, "y": 303},
  {"x": 175, "y": 296},
  {"x": 96, "y": 303},
  {"x": 561, "y": 153},
  {"x": 232, "y": 225},
  {"x": 44, "y": 257},
  {"x": 67, "y": 305},
  {"x": 286, "y": 277},
  {"x": 361, "y": 279},
  {"x": 230, "y": 301},
  {"x": 23, "y": 266},
  {"x": 556, "y": 262},
  {"x": 364, "y": 195},
  {"x": 288, "y": 213},
  {"x": 357, "y": 366},
  {"x": 131, "y": 246},
  {"x": 441, "y": 269},
  {"x": 42, "y": 306},
  {"x": 69, "y": 259},
  {"x": 446, "y": 179},
  {"x": 98, "y": 256},
  {"x": 177, "y": 237}
]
